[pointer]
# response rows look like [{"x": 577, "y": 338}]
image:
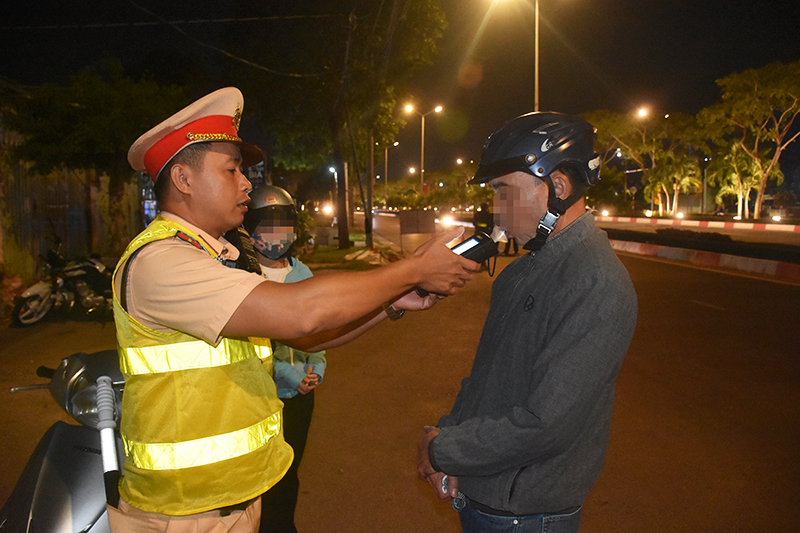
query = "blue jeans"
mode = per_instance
[{"x": 474, "y": 521}]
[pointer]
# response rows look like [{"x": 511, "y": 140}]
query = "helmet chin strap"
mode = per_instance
[{"x": 547, "y": 224}]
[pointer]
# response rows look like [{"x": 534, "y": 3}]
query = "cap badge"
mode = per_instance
[{"x": 237, "y": 118}]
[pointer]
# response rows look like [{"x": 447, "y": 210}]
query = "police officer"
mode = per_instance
[{"x": 201, "y": 420}]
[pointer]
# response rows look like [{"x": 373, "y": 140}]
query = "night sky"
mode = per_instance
[{"x": 594, "y": 54}]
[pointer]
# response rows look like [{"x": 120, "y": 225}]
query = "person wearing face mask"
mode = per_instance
[{"x": 271, "y": 222}]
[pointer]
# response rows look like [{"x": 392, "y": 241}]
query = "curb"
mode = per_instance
[
  {"x": 702, "y": 223},
  {"x": 764, "y": 267}
]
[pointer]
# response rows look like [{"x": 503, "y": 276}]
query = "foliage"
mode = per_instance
[
  {"x": 736, "y": 174},
  {"x": 346, "y": 81},
  {"x": 757, "y": 111},
  {"x": 609, "y": 191},
  {"x": 306, "y": 227},
  {"x": 448, "y": 188},
  {"x": 89, "y": 125}
]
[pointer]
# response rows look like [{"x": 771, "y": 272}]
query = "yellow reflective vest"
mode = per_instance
[{"x": 201, "y": 424}]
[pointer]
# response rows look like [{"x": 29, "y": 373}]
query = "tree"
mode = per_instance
[
  {"x": 90, "y": 125},
  {"x": 757, "y": 111},
  {"x": 345, "y": 84},
  {"x": 648, "y": 142},
  {"x": 736, "y": 174},
  {"x": 678, "y": 173}
]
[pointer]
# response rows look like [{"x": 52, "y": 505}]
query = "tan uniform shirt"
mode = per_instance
[{"x": 172, "y": 285}]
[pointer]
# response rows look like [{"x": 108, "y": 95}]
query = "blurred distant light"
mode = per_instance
[
  {"x": 459, "y": 161},
  {"x": 679, "y": 215},
  {"x": 737, "y": 217},
  {"x": 605, "y": 212},
  {"x": 447, "y": 221},
  {"x": 776, "y": 218},
  {"x": 642, "y": 112},
  {"x": 327, "y": 209},
  {"x": 648, "y": 213}
]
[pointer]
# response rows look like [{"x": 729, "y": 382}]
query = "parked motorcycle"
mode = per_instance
[
  {"x": 62, "y": 488},
  {"x": 82, "y": 284}
]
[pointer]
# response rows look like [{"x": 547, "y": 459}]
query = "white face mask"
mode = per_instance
[{"x": 273, "y": 241}]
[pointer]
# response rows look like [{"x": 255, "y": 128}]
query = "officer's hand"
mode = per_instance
[
  {"x": 412, "y": 301},
  {"x": 440, "y": 270}
]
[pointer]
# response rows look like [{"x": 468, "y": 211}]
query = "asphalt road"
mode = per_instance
[{"x": 704, "y": 436}]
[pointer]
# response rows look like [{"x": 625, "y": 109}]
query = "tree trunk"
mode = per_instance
[
  {"x": 675, "y": 201},
  {"x": 747, "y": 204}
]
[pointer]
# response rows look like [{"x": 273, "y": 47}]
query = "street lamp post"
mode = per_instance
[
  {"x": 386, "y": 171},
  {"x": 409, "y": 109}
]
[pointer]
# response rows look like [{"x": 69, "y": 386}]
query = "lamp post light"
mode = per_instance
[
  {"x": 410, "y": 109},
  {"x": 332, "y": 170}
]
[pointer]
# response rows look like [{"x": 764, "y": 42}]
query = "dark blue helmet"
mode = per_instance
[{"x": 539, "y": 143}]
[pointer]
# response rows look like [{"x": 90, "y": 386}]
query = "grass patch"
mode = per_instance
[{"x": 332, "y": 258}]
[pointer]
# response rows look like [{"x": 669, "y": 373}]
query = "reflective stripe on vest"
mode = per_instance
[
  {"x": 199, "y": 452},
  {"x": 184, "y": 356},
  {"x": 263, "y": 347}
]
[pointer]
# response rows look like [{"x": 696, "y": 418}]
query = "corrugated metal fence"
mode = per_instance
[{"x": 42, "y": 209}]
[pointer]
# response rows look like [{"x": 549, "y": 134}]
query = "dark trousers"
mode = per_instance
[{"x": 279, "y": 502}]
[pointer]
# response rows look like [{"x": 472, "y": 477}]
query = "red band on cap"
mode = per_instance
[{"x": 161, "y": 152}]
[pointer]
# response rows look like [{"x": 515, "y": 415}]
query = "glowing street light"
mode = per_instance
[
  {"x": 410, "y": 109},
  {"x": 332, "y": 170}
]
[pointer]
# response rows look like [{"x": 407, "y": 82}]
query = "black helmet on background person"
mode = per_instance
[
  {"x": 271, "y": 206},
  {"x": 539, "y": 143}
]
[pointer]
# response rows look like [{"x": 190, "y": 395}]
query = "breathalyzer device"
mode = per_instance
[{"x": 478, "y": 248}]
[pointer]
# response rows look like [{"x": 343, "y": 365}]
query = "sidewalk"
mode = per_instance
[{"x": 747, "y": 265}]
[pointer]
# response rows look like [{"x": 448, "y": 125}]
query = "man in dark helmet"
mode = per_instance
[{"x": 526, "y": 438}]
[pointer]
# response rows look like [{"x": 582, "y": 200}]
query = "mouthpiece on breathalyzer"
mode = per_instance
[{"x": 478, "y": 248}]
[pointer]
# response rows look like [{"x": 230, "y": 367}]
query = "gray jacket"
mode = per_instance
[{"x": 529, "y": 429}]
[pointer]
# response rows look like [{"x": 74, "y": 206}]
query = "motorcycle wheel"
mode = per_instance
[{"x": 28, "y": 311}]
